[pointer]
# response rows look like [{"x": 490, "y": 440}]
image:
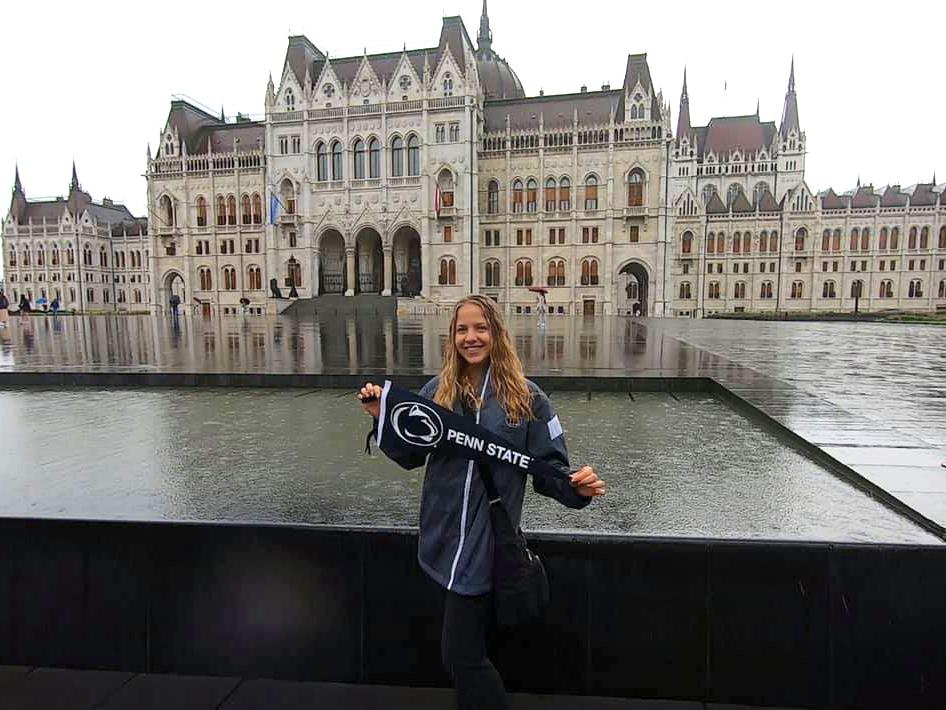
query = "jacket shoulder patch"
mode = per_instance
[{"x": 555, "y": 427}]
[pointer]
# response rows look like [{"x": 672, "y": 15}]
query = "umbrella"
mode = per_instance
[
  {"x": 538, "y": 289},
  {"x": 41, "y": 301}
]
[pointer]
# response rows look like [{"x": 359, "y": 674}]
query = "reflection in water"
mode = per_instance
[{"x": 679, "y": 468}]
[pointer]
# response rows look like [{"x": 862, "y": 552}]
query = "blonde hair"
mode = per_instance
[{"x": 506, "y": 375}]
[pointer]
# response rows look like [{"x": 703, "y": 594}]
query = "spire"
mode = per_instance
[
  {"x": 223, "y": 116},
  {"x": 683, "y": 119},
  {"x": 74, "y": 185},
  {"x": 757, "y": 107},
  {"x": 484, "y": 40},
  {"x": 18, "y": 187},
  {"x": 790, "y": 110}
]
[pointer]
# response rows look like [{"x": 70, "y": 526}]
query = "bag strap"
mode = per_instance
[{"x": 489, "y": 484}]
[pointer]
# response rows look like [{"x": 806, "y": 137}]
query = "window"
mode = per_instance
[
  {"x": 12, "y": 256},
  {"x": 103, "y": 257},
  {"x": 137, "y": 295},
  {"x": 773, "y": 242},
  {"x": 826, "y": 240},
  {"x": 883, "y": 238},
  {"x": 229, "y": 278},
  {"x": 925, "y": 238},
  {"x": 293, "y": 273},
  {"x": 765, "y": 289},
  {"x": 634, "y": 233},
  {"x": 551, "y": 201},
  {"x": 290, "y": 100},
  {"x": 532, "y": 190},
  {"x": 591, "y": 193},
  {"x": 440, "y": 133},
  {"x": 709, "y": 191},
  {"x": 397, "y": 157},
  {"x": 413, "y": 155},
  {"x": 448, "y": 272},
  {"x": 54, "y": 253},
  {"x": 221, "y": 211},
  {"x": 686, "y": 243},
  {"x": 798, "y": 289},
  {"x": 886, "y": 288},
  {"x": 746, "y": 242},
  {"x": 321, "y": 162},
  {"x": 800, "y": 236},
  {"x": 828, "y": 290},
  {"x": 589, "y": 272},
  {"x": 374, "y": 158},
  {"x": 941, "y": 293},
  {"x": 720, "y": 243},
  {"x": 492, "y": 197},
  {"x": 712, "y": 290},
  {"x": 358, "y": 159},
  {"x": 865, "y": 239},
  {"x": 685, "y": 291},
  {"x": 292, "y": 240},
  {"x": 855, "y": 242},
  {"x": 336, "y": 160},
  {"x": 556, "y": 273},
  {"x": 517, "y": 195},
  {"x": 447, "y": 84},
  {"x": 296, "y": 144},
  {"x": 454, "y": 132},
  {"x": 739, "y": 290},
  {"x": 916, "y": 289},
  {"x": 686, "y": 267},
  {"x": 167, "y": 211},
  {"x": 404, "y": 82},
  {"x": 247, "y": 211},
  {"x": 252, "y": 246},
  {"x": 201, "y": 211},
  {"x": 447, "y": 233},
  {"x": 206, "y": 279},
  {"x": 635, "y": 188},
  {"x": 524, "y": 272},
  {"x": 492, "y": 237},
  {"x": 283, "y": 145},
  {"x": 231, "y": 210},
  {"x": 857, "y": 289},
  {"x": 203, "y": 247},
  {"x": 589, "y": 235},
  {"x": 895, "y": 238},
  {"x": 41, "y": 256},
  {"x": 911, "y": 240},
  {"x": 736, "y": 242},
  {"x": 523, "y": 237},
  {"x": 758, "y": 192},
  {"x": 492, "y": 273},
  {"x": 942, "y": 238},
  {"x": 711, "y": 243},
  {"x": 564, "y": 194}
]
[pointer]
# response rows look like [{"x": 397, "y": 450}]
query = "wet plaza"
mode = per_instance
[{"x": 870, "y": 396}]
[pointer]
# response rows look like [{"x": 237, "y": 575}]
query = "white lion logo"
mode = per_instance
[{"x": 417, "y": 424}]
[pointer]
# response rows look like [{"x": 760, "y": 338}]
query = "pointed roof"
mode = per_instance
[
  {"x": 484, "y": 39},
  {"x": 201, "y": 132},
  {"x": 638, "y": 71},
  {"x": 741, "y": 203},
  {"x": 728, "y": 133},
  {"x": 497, "y": 78},
  {"x": 790, "y": 109},
  {"x": 830, "y": 200},
  {"x": 74, "y": 184},
  {"x": 557, "y": 111},
  {"x": 923, "y": 195},
  {"x": 453, "y": 35},
  {"x": 715, "y": 205},
  {"x": 683, "y": 120},
  {"x": 17, "y": 185},
  {"x": 300, "y": 54},
  {"x": 893, "y": 197},
  {"x": 767, "y": 203},
  {"x": 864, "y": 197}
]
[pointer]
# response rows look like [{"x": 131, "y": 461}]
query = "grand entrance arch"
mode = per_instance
[
  {"x": 408, "y": 274},
  {"x": 633, "y": 285},
  {"x": 172, "y": 285},
  {"x": 369, "y": 262},
  {"x": 332, "y": 272}
]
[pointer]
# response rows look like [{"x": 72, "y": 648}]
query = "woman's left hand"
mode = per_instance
[{"x": 587, "y": 483}]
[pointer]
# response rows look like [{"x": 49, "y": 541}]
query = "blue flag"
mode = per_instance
[{"x": 273, "y": 206}]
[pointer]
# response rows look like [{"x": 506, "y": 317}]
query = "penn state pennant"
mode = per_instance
[{"x": 413, "y": 423}]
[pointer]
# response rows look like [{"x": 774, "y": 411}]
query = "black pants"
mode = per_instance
[{"x": 463, "y": 648}]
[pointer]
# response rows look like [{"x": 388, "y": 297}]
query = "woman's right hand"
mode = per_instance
[{"x": 374, "y": 406}]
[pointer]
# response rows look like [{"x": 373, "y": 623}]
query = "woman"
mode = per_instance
[
  {"x": 481, "y": 378},
  {"x": 4, "y": 310}
]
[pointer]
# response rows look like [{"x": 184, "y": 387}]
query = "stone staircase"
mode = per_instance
[{"x": 338, "y": 305}]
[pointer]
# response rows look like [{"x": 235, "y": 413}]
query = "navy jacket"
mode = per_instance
[{"x": 455, "y": 545}]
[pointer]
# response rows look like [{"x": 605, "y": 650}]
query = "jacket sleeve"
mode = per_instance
[
  {"x": 546, "y": 441},
  {"x": 401, "y": 455}
]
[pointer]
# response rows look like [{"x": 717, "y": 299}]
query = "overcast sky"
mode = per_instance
[{"x": 92, "y": 81}]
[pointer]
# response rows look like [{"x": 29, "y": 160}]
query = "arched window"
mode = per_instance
[
  {"x": 201, "y": 211},
  {"x": 492, "y": 197},
  {"x": 524, "y": 272},
  {"x": 321, "y": 162},
  {"x": 167, "y": 211},
  {"x": 686, "y": 243},
  {"x": 826, "y": 240},
  {"x": 758, "y": 192},
  {"x": 720, "y": 243},
  {"x": 86, "y": 256},
  {"x": 229, "y": 278},
  {"x": 732, "y": 193},
  {"x": 564, "y": 194},
  {"x": 397, "y": 157},
  {"x": 447, "y": 84},
  {"x": 857, "y": 288},
  {"x": 591, "y": 192},
  {"x": 865, "y": 239},
  {"x": 925, "y": 238},
  {"x": 800, "y": 236},
  {"x": 556, "y": 273},
  {"x": 293, "y": 273},
  {"x": 836, "y": 240},
  {"x": 773, "y": 241},
  {"x": 855, "y": 241},
  {"x": 54, "y": 254},
  {"x": 374, "y": 158},
  {"x": 70, "y": 256},
  {"x": 712, "y": 290},
  {"x": 635, "y": 188},
  {"x": 221, "y": 211},
  {"x": 231, "y": 209},
  {"x": 916, "y": 289},
  {"x": 764, "y": 241},
  {"x": 12, "y": 256},
  {"x": 493, "y": 273},
  {"x": 765, "y": 290},
  {"x": 206, "y": 279},
  {"x": 895, "y": 238},
  {"x": 828, "y": 290},
  {"x": 254, "y": 277},
  {"x": 941, "y": 244},
  {"x": 551, "y": 198},
  {"x": 886, "y": 288},
  {"x": 739, "y": 290},
  {"x": 911, "y": 240},
  {"x": 711, "y": 243},
  {"x": 685, "y": 291},
  {"x": 448, "y": 272},
  {"x": 247, "y": 209},
  {"x": 446, "y": 185},
  {"x": 358, "y": 159},
  {"x": 798, "y": 289},
  {"x": 290, "y": 100},
  {"x": 746, "y": 242},
  {"x": 41, "y": 256},
  {"x": 708, "y": 192},
  {"x": 589, "y": 272},
  {"x": 737, "y": 243},
  {"x": 137, "y": 295},
  {"x": 287, "y": 192},
  {"x": 337, "y": 173},
  {"x": 942, "y": 289},
  {"x": 103, "y": 257},
  {"x": 532, "y": 196},
  {"x": 517, "y": 195},
  {"x": 883, "y": 238},
  {"x": 257, "y": 208},
  {"x": 413, "y": 155}
]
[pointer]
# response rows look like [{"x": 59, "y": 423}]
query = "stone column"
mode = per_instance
[
  {"x": 316, "y": 269},
  {"x": 387, "y": 266},
  {"x": 350, "y": 268}
]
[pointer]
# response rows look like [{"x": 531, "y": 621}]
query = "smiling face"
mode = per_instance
[{"x": 472, "y": 336}]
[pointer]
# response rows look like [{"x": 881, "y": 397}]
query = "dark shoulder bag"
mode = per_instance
[{"x": 520, "y": 585}]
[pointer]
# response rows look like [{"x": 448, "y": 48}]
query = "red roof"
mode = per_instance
[{"x": 744, "y": 133}]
